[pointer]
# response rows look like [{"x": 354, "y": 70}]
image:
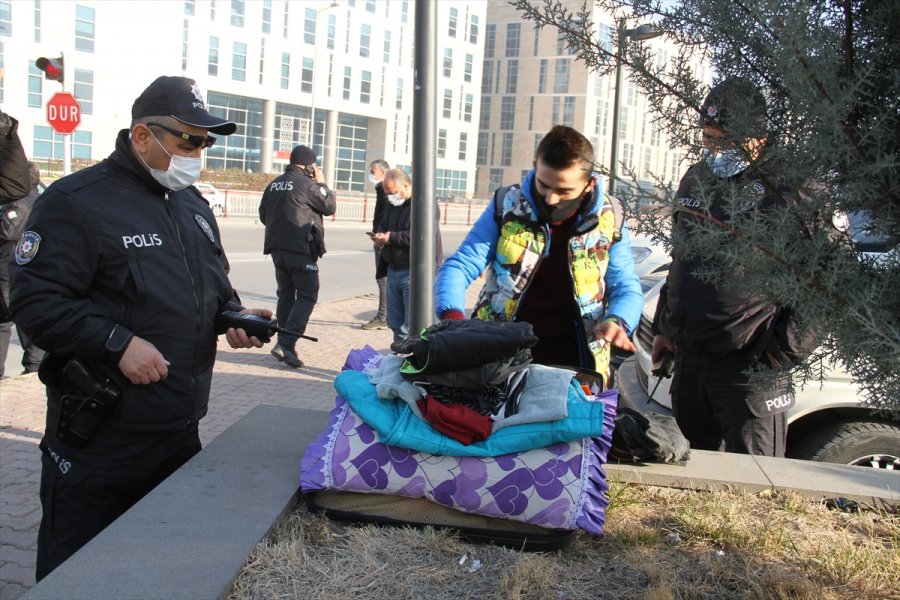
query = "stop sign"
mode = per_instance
[{"x": 63, "y": 112}]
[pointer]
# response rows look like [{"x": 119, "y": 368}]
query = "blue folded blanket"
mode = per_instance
[{"x": 398, "y": 426}]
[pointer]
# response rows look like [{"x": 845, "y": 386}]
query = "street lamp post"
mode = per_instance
[
  {"x": 641, "y": 32},
  {"x": 312, "y": 108}
]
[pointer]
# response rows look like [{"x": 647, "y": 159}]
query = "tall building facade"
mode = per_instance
[
  {"x": 531, "y": 82},
  {"x": 335, "y": 75}
]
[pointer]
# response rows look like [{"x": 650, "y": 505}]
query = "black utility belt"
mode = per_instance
[{"x": 86, "y": 402}]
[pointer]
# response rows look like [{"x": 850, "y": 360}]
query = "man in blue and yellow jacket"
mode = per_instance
[{"x": 552, "y": 260}]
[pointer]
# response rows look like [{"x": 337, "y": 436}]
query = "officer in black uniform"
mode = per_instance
[
  {"x": 719, "y": 333},
  {"x": 120, "y": 276},
  {"x": 291, "y": 208}
]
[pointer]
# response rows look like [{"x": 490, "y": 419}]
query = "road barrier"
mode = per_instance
[{"x": 350, "y": 209}]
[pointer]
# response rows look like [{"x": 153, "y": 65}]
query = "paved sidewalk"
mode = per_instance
[{"x": 243, "y": 379}]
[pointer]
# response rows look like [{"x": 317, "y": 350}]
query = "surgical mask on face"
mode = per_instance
[
  {"x": 396, "y": 199},
  {"x": 183, "y": 171},
  {"x": 725, "y": 163},
  {"x": 372, "y": 179}
]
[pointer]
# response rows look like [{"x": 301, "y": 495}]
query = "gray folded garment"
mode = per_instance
[
  {"x": 478, "y": 378},
  {"x": 390, "y": 384},
  {"x": 543, "y": 397}
]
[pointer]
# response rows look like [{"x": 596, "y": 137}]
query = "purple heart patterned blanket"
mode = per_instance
[{"x": 560, "y": 486}]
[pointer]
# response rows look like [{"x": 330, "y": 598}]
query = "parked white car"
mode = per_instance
[
  {"x": 828, "y": 423},
  {"x": 651, "y": 261},
  {"x": 215, "y": 198}
]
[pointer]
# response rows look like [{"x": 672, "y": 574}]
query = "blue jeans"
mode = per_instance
[{"x": 398, "y": 302}]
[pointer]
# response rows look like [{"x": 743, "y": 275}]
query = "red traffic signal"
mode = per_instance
[{"x": 52, "y": 68}]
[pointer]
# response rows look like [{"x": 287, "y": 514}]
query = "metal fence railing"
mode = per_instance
[{"x": 349, "y": 209}]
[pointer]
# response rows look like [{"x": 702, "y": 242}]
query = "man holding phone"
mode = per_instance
[{"x": 292, "y": 208}]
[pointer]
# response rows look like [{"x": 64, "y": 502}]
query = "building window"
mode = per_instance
[
  {"x": 35, "y": 85},
  {"x": 508, "y": 112},
  {"x": 267, "y": 16},
  {"x": 262, "y": 59},
  {"x": 450, "y": 183},
  {"x": 352, "y": 140},
  {"x": 490, "y": 40},
  {"x": 404, "y": 11},
  {"x": 467, "y": 76},
  {"x": 542, "y": 80},
  {"x": 569, "y": 111},
  {"x": 473, "y": 30},
  {"x": 306, "y": 75},
  {"x": 237, "y": 13},
  {"x": 190, "y": 7},
  {"x": 5, "y": 19},
  {"x": 2, "y": 68},
  {"x": 487, "y": 75},
  {"x": 37, "y": 21},
  {"x": 467, "y": 108},
  {"x": 84, "y": 28},
  {"x": 512, "y": 76},
  {"x": 512, "y": 39},
  {"x": 537, "y": 41},
  {"x": 347, "y": 76},
  {"x": 442, "y": 143},
  {"x": 496, "y": 180},
  {"x": 463, "y": 145},
  {"x": 605, "y": 37},
  {"x": 387, "y": 47},
  {"x": 184, "y": 45},
  {"x": 213, "y": 67},
  {"x": 451, "y": 29},
  {"x": 399, "y": 103},
  {"x": 81, "y": 145},
  {"x": 647, "y": 153},
  {"x": 561, "y": 76},
  {"x": 365, "y": 87},
  {"x": 531, "y": 113},
  {"x": 332, "y": 28},
  {"x": 285, "y": 70},
  {"x": 84, "y": 90},
  {"x": 554, "y": 113},
  {"x": 309, "y": 26},
  {"x": 242, "y": 150},
  {"x": 537, "y": 141},
  {"x": 448, "y": 62},
  {"x": 484, "y": 121},
  {"x": 47, "y": 144},
  {"x": 370, "y": 6},
  {"x": 285, "y": 30},
  {"x": 212, "y": 10},
  {"x": 365, "y": 39},
  {"x": 239, "y": 61},
  {"x": 481, "y": 150},
  {"x": 448, "y": 103}
]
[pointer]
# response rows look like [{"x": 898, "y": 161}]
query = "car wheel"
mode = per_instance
[
  {"x": 860, "y": 443},
  {"x": 217, "y": 210}
]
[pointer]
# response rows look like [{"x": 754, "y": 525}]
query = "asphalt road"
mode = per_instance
[{"x": 347, "y": 270}]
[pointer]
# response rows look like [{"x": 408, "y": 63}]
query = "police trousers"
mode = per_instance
[
  {"x": 83, "y": 491},
  {"x": 718, "y": 407},
  {"x": 297, "y": 276}
]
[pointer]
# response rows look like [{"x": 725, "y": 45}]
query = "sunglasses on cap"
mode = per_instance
[{"x": 198, "y": 141}]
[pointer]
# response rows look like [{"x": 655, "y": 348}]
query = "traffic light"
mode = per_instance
[{"x": 52, "y": 68}]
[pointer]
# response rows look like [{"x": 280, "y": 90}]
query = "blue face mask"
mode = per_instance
[{"x": 725, "y": 163}]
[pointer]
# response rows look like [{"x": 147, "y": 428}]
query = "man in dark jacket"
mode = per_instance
[
  {"x": 120, "y": 276},
  {"x": 291, "y": 209},
  {"x": 392, "y": 236},
  {"x": 719, "y": 333},
  {"x": 13, "y": 216},
  {"x": 13, "y": 163},
  {"x": 377, "y": 169}
]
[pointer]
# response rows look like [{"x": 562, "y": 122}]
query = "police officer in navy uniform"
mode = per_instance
[
  {"x": 121, "y": 271},
  {"x": 292, "y": 208}
]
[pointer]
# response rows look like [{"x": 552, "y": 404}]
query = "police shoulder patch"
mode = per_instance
[
  {"x": 27, "y": 247},
  {"x": 205, "y": 228}
]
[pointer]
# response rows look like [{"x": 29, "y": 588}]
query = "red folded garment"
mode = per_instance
[{"x": 456, "y": 421}]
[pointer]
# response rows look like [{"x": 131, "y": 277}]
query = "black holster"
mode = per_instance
[{"x": 87, "y": 401}]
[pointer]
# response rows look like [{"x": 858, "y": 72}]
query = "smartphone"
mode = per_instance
[{"x": 369, "y": 233}]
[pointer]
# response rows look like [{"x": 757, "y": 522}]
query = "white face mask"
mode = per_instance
[
  {"x": 183, "y": 171},
  {"x": 725, "y": 163},
  {"x": 395, "y": 199},
  {"x": 372, "y": 179}
]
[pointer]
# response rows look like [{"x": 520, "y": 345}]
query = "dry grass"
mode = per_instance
[{"x": 660, "y": 544}]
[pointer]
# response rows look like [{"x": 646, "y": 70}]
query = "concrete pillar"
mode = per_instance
[
  {"x": 267, "y": 144},
  {"x": 329, "y": 154}
]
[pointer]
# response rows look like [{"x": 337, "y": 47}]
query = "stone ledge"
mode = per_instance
[{"x": 190, "y": 537}]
